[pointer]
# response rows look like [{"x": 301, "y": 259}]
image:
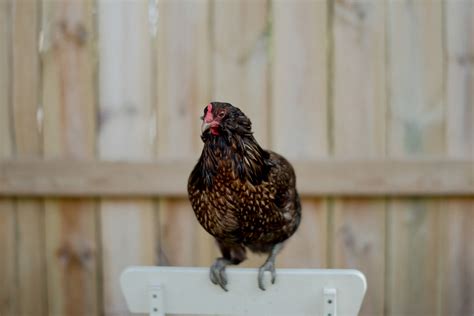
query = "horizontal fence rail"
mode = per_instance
[{"x": 65, "y": 178}]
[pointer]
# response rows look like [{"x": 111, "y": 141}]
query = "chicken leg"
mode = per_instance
[
  {"x": 231, "y": 254},
  {"x": 269, "y": 266},
  {"x": 217, "y": 273}
]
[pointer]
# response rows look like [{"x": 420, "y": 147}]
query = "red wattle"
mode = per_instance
[{"x": 214, "y": 131}]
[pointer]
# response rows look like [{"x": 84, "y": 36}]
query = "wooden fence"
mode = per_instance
[{"x": 372, "y": 100}]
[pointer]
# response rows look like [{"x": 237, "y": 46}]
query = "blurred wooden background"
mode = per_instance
[{"x": 372, "y": 81}]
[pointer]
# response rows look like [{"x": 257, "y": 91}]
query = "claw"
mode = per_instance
[
  {"x": 267, "y": 266},
  {"x": 217, "y": 273}
]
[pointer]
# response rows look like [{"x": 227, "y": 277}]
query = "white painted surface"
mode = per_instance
[{"x": 296, "y": 291}]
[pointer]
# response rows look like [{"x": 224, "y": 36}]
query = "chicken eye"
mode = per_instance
[{"x": 221, "y": 114}]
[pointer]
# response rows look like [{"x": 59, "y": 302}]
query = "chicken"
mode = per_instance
[{"x": 241, "y": 194}]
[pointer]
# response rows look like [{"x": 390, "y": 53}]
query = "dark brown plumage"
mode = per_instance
[{"x": 242, "y": 195}]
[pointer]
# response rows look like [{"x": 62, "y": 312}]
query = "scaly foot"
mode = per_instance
[
  {"x": 217, "y": 273},
  {"x": 269, "y": 265}
]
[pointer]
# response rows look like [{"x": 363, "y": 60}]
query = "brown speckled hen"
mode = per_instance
[{"x": 242, "y": 195}]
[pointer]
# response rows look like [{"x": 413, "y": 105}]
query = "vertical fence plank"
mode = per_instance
[
  {"x": 69, "y": 125},
  {"x": 457, "y": 255},
  {"x": 8, "y": 266},
  {"x": 182, "y": 93},
  {"x": 240, "y": 76},
  {"x": 457, "y": 217},
  {"x": 6, "y": 146},
  {"x": 299, "y": 112},
  {"x": 359, "y": 130},
  {"x": 30, "y": 214},
  {"x": 125, "y": 133},
  {"x": 240, "y": 71},
  {"x": 415, "y": 127},
  {"x": 459, "y": 33}
]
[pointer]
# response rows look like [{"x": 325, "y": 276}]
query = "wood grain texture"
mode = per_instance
[
  {"x": 128, "y": 238},
  {"x": 457, "y": 253},
  {"x": 457, "y": 217},
  {"x": 416, "y": 127},
  {"x": 26, "y": 77},
  {"x": 459, "y": 78},
  {"x": 362, "y": 178},
  {"x": 241, "y": 60},
  {"x": 184, "y": 81},
  {"x": 126, "y": 120},
  {"x": 359, "y": 92},
  {"x": 68, "y": 93},
  {"x": 8, "y": 264},
  {"x": 359, "y": 243},
  {"x": 6, "y": 146},
  {"x": 413, "y": 253},
  {"x": 184, "y": 86},
  {"x": 299, "y": 79},
  {"x": 415, "y": 52},
  {"x": 32, "y": 295},
  {"x": 359, "y": 106},
  {"x": 299, "y": 113}
]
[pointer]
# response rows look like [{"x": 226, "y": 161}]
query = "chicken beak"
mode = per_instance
[{"x": 205, "y": 126}]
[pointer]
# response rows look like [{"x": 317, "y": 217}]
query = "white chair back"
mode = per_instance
[{"x": 176, "y": 290}]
